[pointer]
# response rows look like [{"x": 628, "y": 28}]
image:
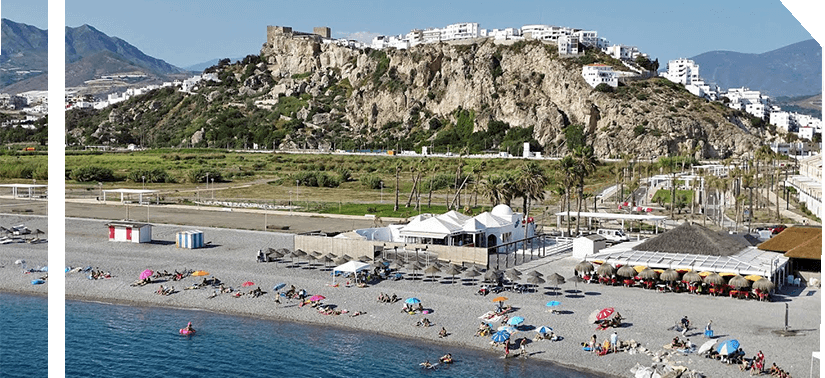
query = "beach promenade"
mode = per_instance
[{"x": 231, "y": 258}]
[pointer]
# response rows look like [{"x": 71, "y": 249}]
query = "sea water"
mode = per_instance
[
  {"x": 24, "y": 336},
  {"x": 104, "y": 340}
]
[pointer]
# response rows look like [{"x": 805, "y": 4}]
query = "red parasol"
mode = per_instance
[{"x": 247, "y": 284}]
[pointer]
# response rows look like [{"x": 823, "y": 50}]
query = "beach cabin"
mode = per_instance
[
  {"x": 189, "y": 239},
  {"x": 125, "y": 231},
  {"x": 588, "y": 245}
]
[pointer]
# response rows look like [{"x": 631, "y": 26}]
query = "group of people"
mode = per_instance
[
  {"x": 545, "y": 336},
  {"x": 609, "y": 345},
  {"x": 386, "y": 298},
  {"x": 614, "y": 321},
  {"x": 445, "y": 359},
  {"x": 99, "y": 275},
  {"x": 777, "y": 372},
  {"x": 411, "y": 309},
  {"x": 165, "y": 290},
  {"x": 484, "y": 329},
  {"x": 424, "y": 322}
]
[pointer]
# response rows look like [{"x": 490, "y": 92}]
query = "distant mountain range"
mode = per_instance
[
  {"x": 793, "y": 70},
  {"x": 90, "y": 53},
  {"x": 24, "y": 53},
  {"x": 199, "y": 67}
]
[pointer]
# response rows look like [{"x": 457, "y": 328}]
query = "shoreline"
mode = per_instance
[
  {"x": 231, "y": 258},
  {"x": 442, "y": 342}
]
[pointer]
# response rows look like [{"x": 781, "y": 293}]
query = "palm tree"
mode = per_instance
[
  {"x": 493, "y": 188},
  {"x": 567, "y": 167},
  {"x": 530, "y": 181},
  {"x": 586, "y": 163}
]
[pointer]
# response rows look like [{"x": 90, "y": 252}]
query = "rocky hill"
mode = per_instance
[{"x": 302, "y": 93}]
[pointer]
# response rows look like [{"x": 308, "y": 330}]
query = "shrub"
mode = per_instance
[
  {"x": 604, "y": 87},
  {"x": 92, "y": 173},
  {"x": 371, "y": 181},
  {"x": 153, "y": 175},
  {"x": 198, "y": 175},
  {"x": 316, "y": 179},
  {"x": 639, "y": 130}
]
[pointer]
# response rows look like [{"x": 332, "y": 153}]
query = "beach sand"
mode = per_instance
[{"x": 231, "y": 258}]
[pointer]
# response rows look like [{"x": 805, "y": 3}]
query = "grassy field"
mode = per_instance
[{"x": 270, "y": 178}]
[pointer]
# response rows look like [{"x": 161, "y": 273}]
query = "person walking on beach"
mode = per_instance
[
  {"x": 685, "y": 325},
  {"x": 614, "y": 342},
  {"x": 708, "y": 330},
  {"x": 592, "y": 344},
  {"x": 522, "y": 346},
  {"x": 506, "y": 348}
]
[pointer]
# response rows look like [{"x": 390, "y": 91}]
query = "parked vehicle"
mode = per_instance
[
  {"x": 775, "y": 229},
  {"x": 613, "y": 235}
]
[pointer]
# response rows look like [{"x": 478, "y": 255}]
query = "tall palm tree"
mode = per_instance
[
  {"x": 568, "y": 169},
  {"x": 530, "y": 181},
  {"x": 586, "y": 163}
]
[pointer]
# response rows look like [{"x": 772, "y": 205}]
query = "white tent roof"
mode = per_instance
[
  {"x": 614, "y": 216},
  {"x": 748, "y": 261},
  {"x": 352, "y": 267},
  {"x": 473, "y": 224},
  {"x": 431, "y": 228},
  {"x": 453, "y": 216},
  {"x": 490, "y": 220}
]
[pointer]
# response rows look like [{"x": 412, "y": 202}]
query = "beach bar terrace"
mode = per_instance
[{"x": 656, "y": 219}]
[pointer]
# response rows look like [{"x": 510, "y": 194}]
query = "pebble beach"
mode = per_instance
[{"x": 230, "y": 257}]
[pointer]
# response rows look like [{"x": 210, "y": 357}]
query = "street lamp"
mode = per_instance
[
  {"x": 198, "y": 190},
  {"x": 296, "y": 190},
  {"x": 213, "y": 188},
  {"x": 382, "y": 191},
  {"x": 207, "y": 180},
  {"x": 143, "y": 178}
]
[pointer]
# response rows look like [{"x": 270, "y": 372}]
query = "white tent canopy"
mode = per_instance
[{"x": 350, "y": 267}]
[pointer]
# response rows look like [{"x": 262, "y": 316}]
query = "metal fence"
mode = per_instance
[{"x": 525, "y": 250}]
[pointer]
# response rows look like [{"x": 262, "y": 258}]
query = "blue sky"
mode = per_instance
[{"x": 189, "y": 32}]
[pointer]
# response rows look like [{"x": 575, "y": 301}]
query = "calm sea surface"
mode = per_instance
[
  {"x": 105, "y": 340},
  {"x": 24, "y": 336}
]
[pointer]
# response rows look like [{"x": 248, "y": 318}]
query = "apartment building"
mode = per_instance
[
  {"x": 568, "y": 45},
  {"x": 596, "y": 74}
]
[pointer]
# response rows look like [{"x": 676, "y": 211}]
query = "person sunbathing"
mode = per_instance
[
  {"x": 442, "y": 333},
  {"x": 676, "y": 343}
]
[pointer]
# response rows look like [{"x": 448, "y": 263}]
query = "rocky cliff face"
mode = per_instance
[{"x": 524, "y": 84}]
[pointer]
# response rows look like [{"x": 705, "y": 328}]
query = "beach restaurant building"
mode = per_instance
[
  {"x": 127, "y": 231},
  {"x": 691, "y": 247},
  {"x": 488, "y": 229}
]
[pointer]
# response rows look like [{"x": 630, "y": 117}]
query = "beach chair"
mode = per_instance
[{"x": 790, "y": 279}]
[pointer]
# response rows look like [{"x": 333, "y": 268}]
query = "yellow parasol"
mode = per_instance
[
  {"x": 200, "y": 273},
  {"x": 726, "y": 274},
  {"x": 639, "y": 268},
  {"x": 705, "y": 274},
  {"x": 753, "y": 277},
  {"x": 499, "y": 299}
]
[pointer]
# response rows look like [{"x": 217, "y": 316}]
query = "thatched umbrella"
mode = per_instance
[
  {"x": 331, "y": 255},
  {"x": 432, "y": 270},
  {"x": 492, "y": 275},
  {"x": 764, "y": 284},
  {"x": 584, "y": 267},
  {"x": 650, "y": 274},
  {"x": 397, "y": 264},
  {"x": 535, "y": 273},
  {"x": 326, "y": 260},
  {"x": 606, "y": 270},
  {"x": 340, "y": 261},
  {"x": 513, "y": 271},
  {"x": 300, "y": 252},
  {"x": 576, "y": 280},
  {"x": 555, "y": 279},
  {"x": 413, "y": 266},
  {"x": 669, "y": 275},
  {"x": 472, "y": 272},
  {"x": 626, "y": 271},
  {"x": 513, "y": 276},
  {"x": 536, "y": 280},
  {"x": 452, "y": 270},
  {"x": 364, "y": 259},
  {"x": 310, "y": 258},
  {"x": 715, "y": 279},
  {"x": 739, "y": 282},
  {"x": 316, "y": 254},
  {"x": 692, "y": 277}
]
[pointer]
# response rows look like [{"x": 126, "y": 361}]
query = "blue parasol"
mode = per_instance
[
  {"x": 501, "y": 336},
  {"x": 279, "y": 286},
  {"x": 544, "y": 329},
  {"x": 516, "y": 320},
  {"x": 553, "y": 304},
  {"x": 728, "y": 346},
  {"x": 412, "y": 301}
]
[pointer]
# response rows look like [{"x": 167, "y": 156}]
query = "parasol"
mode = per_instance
[
  {"x": 584, "y": 267},
  {"x": 606, "y": 270},
  {"x": 669, "y": 275}
]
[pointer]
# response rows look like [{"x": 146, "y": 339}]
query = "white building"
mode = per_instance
[
  {"x": 623, "y": 52},
  {"x": 415, "y": 37},
  {"x": 596, "y": 74},
  {"x": 488, "y": 229},
  {"x": 507, "y": 33},
  {"x": 568, "y": 45},
  {"x": 749, "y": 101},
  {"x": 431, "y": 35},
  {"x": 465, "y": 30},
  {"x": 808, "y": 183},
  {"x": 682, "y": 71},
  {"x": 589, "y": 38},
  {"x": 701, "y": 89},
  {"x": 127, "y": 231}
]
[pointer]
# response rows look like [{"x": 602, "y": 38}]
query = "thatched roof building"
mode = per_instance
[
  {"x": 693, "y": 239},
  {"x": 803, "y": 244},
  {"x": 693, "y": 247}
]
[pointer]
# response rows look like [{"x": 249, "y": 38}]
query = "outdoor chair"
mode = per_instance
[
  {"x": 790, "y": 279},
  {"x": 797, "y": 281}
]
